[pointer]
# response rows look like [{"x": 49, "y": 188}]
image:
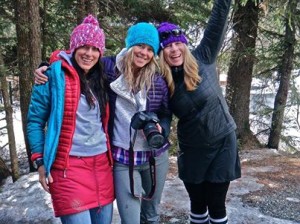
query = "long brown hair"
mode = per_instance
[{"x": 93, "y": 84}]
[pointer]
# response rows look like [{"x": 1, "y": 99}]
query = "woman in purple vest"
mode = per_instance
[{"x": 137, "y": 95}]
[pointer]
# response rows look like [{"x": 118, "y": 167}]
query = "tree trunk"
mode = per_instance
[
  {"x": 81, "y": 13},
  {"x": 34, "y": 52},
  {"x": 34, "y": 35},
  {"x": 86, "y": 7},
  {"x": 284, "y": 72},
  {"x": 25, "y": 77},
  {"x": 92, "y": 7},
  {"x": 4, "y": 171},
  {"x": 9, "y": 123},
  {"x": 241, "y": 68},
  {"x": 44, "y": 23}
]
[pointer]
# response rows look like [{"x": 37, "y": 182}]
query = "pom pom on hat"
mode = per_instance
[
  {"x": 88, "y": 33},
  {"x": 143, "y": 33},
  {"x": 170, "y": 33}
]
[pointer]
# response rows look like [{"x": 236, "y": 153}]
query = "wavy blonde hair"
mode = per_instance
[
  {"x": 142, "y": 79},
  {"x": 190, "y": 67}
]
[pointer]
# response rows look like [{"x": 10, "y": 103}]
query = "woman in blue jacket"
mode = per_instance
[
  {"x": 67, "y": 130},
  {"x": 139, "y": 125},
  {"x": 208, "y": 155}
]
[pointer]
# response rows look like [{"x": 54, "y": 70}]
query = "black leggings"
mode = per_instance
[{"x": 209, "y": 196}]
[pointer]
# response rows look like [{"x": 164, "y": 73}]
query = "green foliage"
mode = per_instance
[
  {"x": 270, "y": 44},
  {"x": 59, "y": 18},
  {"x": 8, "y": 35},
  {"x": 58, "y": 21}
]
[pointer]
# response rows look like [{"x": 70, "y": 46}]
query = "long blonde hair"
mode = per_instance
[
  {"x": 190, "y": 67},
  {"x": 143, "y": 79}
]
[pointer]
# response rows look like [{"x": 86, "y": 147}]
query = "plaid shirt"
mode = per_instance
[{"x": 140, "y": 157}]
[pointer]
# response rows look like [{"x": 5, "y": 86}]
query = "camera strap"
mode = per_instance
[{"x": 131, "y": 168}]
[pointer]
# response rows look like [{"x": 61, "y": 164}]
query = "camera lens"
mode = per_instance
[
  {"x": 154, "y": 137},
  {"x": 156, "y": 140}
]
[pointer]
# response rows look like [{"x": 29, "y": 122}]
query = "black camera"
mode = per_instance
[{"x": 147, "y": 121}]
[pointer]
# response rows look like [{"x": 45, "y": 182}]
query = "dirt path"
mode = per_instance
[{"x": 267, "y": 193}]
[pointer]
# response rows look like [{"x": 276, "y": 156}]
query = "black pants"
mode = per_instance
[{"x": 208, "y": 196}]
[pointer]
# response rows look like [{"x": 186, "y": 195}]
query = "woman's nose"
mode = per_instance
[
  {"x": 144, "y": 50},
  {"x": 174, "y": 47},
  {"x": 89, "y": 50}
]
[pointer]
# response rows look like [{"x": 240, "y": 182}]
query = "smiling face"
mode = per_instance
[
  {"x": 142, "y": 55},
  {"x": 86, "y": 57},
  {"x": 174, "y": 53}
]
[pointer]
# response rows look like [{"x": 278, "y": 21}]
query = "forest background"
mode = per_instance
[{"x": 259, "y": 58}]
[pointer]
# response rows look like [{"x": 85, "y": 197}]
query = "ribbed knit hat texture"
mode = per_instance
[
  {"x": 166, "y": 27},
  {"x": 88, "y": 33},
  {"x": 143, "y": 33}
]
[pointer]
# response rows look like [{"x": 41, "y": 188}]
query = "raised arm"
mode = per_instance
[{"x": 209, "y": 47}]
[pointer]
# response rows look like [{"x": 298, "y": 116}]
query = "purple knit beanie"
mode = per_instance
[
  {"x": 88, "y": 33},
  {"x": 169, "y": 33}
]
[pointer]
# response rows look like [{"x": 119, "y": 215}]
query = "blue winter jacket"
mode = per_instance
[{"x": 47, "y": 106}]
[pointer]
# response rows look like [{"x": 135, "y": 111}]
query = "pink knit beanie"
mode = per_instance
[{"x": 88, "y": 33}]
